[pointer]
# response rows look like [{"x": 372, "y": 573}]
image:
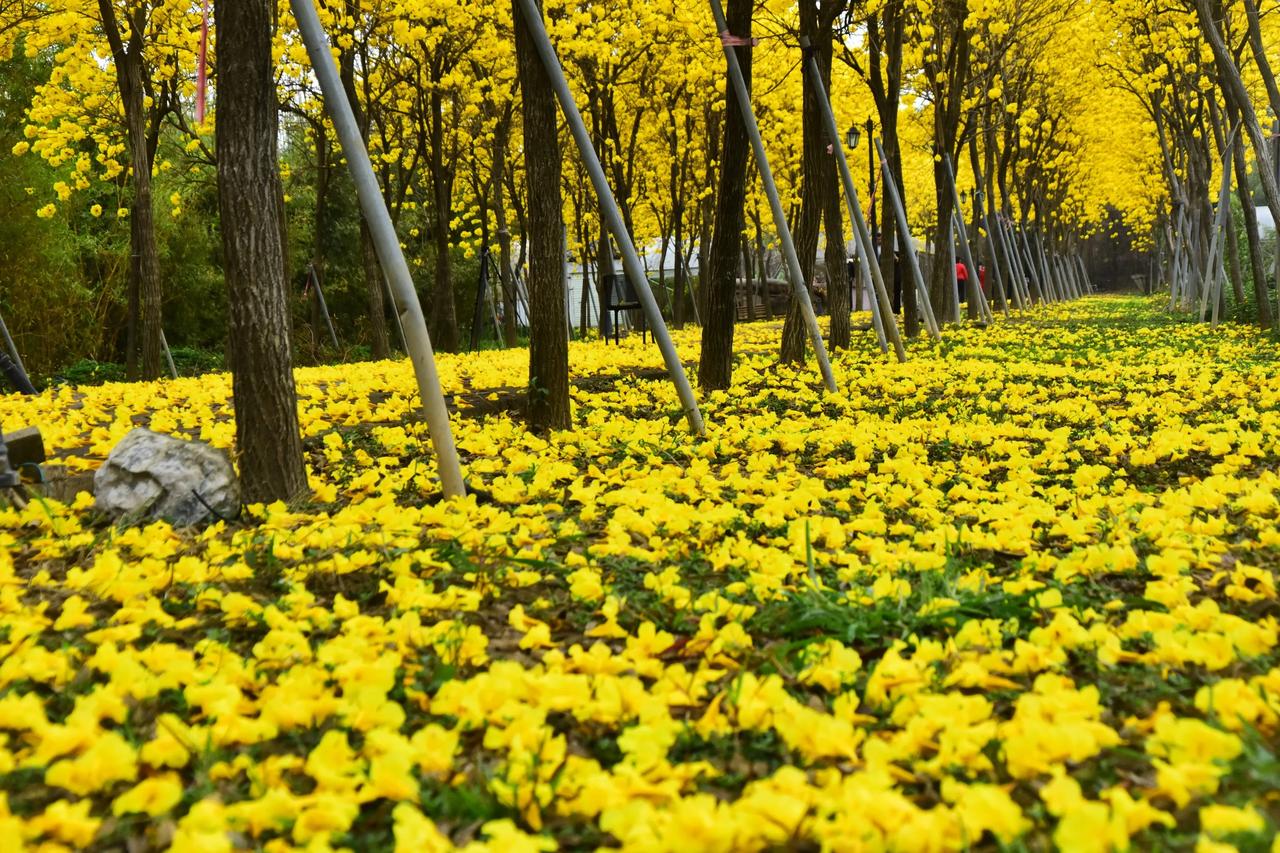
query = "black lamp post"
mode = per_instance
[{"x": 852, "y": 136}]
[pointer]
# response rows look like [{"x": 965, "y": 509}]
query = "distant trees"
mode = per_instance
[{"x": 1015, "y": 82}]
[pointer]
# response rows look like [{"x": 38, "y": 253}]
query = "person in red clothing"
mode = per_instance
[
  {"x": 962, "y": 281},
  {"x": 982, "y": 279}
]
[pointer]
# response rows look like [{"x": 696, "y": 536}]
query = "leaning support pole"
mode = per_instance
[
  {"x": 1021, "y": 273},
  {"x": 387, "y": 245},
  {"x": 1039, "y": 286},
  {"x": 1017, "y": 284},
  {"x": 908, "y": 245},
  {"x": 1215, "y": 274},
  {"x": 322, "y": 305},
  {"x": 1213, "y": 271},
  {"x": 9, "y": 345},
  {"x": 876, "y": 319},
  {"x": 975, "y": 287},
  {"x": 1084, "y": 274},
  {"x": 613, "y": 216},
  {"x": 168, "y": 356},
  {"x": 997, "y": 274},
  {"x": 881, "y": 306},
  {"x": 798, "y": 285}
]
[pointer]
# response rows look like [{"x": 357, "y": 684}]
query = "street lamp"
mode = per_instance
[{"x": 851, "y": 137}]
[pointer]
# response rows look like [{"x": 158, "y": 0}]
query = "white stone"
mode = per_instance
[{"x": 153, "y": 475}]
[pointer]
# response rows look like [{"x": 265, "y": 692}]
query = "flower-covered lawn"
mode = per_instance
[{"x": 1019, "y": 592}]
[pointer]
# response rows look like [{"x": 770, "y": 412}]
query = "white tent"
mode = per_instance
[{"x": 1266, "y": 225}]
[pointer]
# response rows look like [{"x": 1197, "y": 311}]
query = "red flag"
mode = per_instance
[{"x": 202, "y": 72}]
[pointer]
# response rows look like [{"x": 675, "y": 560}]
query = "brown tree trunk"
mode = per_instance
[
  {"x": 819, "y": 174},
  {"x": 548, "y": 344},
  {"x": 1256, "y": 264},
  {"x": 145, "y": 294},
  {"x": 604, "y": 280},
  {"x": 373, "y": 286},
  {"x": 509, "y": 333},
  {"x": 268, "y": 441},
  {"x": 839, "y": 286},
  {"x": 1260, "y": 55},
  {"x": 719, "y": 273},
  {"x": 819, "y": 200},
  {"x": 885, "y": 34},
  {"x": 678, "y": 284},
  {"x": 444, "y": 318},
  {"x": 1234, "y": 89},
  {"x": 379, "y": 347}
]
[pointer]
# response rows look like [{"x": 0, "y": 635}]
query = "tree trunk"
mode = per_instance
[
  {"x": 818, "y": 180},
  {"x": 444, "y": 317},
  {"x": 885, "y": 34},
  {"x": 268, "y": 441},
  {"x": 145, "y": 309},
  {"x": 373, "y": 286},
  {"x": 510, "y": 334},
  {"x": 548, "y": 344},
  {"x": 839, "y": 286},
  {"x": 379, "y": 347},
  {"x": 605, "y": 273},
  {"x": 1256, "y": 264},
  {"x": 1233, "y": 87},
  {"x": 1260, "y": 55},
  {"x": 718, "y": 279},
  {"x": 319, "y": 235},
  {"x": 679, "y": 275}
]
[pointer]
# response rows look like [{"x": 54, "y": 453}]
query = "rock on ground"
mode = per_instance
[{"x": 152, "y": 475}]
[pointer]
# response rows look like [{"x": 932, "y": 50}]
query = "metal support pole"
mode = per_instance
[
  {"x": 1023, "y": 274},
  {"x": 9, "y": 478},
  {"x": 1069, "y": 276},
  {"x": 1068, "y": 287},
  {"x": 798, "y": 284},
  {"x": 612, "y": 215},
  {"x": 168, "y": 356},
  {"x": 395, "y": 315},
  {"x": 1017, "y": 283},
  {"x": 951, "y": 271},
  {"x": 873, "y": 302},
  {"x": 1275, "y": 164},
  {"x": 1064, "y": 275},
  {"x": 975, "y": 287},
  {"x": 908, "y": 245},
  {"x": 881, "y": 306},
  {"x": 1213, "y": 267},
  {"x": 1173, "y": 231},
  {"x": 1215, "y": 273},
  {"x": 477, "y": 311},
  {"x": 1084, "y": 274},
  {"x": 997, "y": 275},
  {"x": 1042, "y": 256},
  {"x": 387, "y": 245},
  {"x": 13, "y": 349},
  {"x": 1038, "y": 285},
  {"x": 324, "y": 306},
  {"x": 564, "y": 283}
]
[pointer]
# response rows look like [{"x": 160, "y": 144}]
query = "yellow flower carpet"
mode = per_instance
[{"x": 1018, "y": 593}]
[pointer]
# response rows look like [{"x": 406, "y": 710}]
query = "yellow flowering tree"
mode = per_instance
[{"x": 122, "y": 71}]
